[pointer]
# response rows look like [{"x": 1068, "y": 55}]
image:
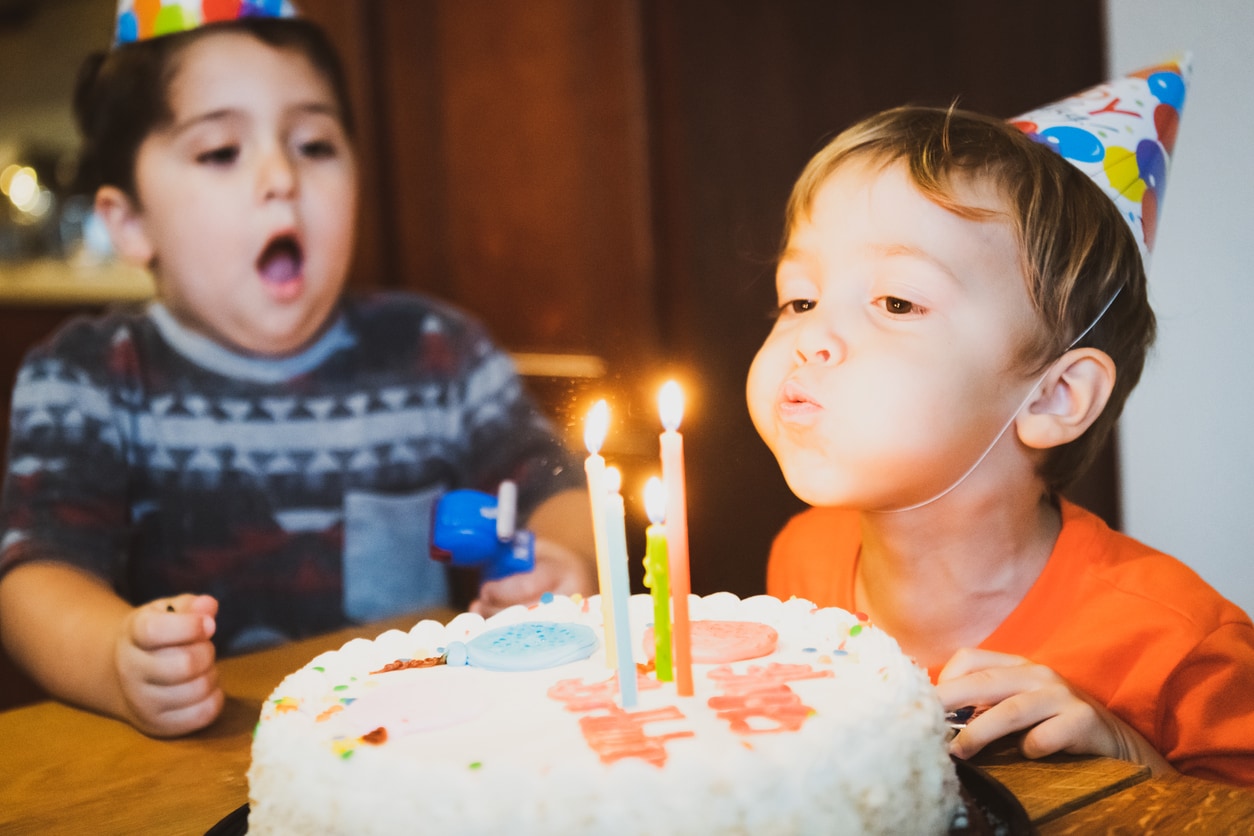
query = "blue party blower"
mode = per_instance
[{"x": 479, "y": 530}]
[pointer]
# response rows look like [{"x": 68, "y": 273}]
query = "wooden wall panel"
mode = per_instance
[{"x": 518, "y": 133}]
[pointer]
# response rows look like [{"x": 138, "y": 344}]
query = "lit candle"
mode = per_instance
[
  {"x": 595, "y": 427},
  {"x": 671, "y": 407},
  {"x": 657, "y": 576},
  {"x": 620, "y": 587}
]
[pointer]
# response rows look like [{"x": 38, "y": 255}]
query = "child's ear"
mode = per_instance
[
  {"x": 125, "y": 224},
  {"x": 1068, "y": 400}
]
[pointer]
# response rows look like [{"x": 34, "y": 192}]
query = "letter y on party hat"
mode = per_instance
[
  {"x": 139, "y": 20},
  {"x": 1121, "y": 134}
]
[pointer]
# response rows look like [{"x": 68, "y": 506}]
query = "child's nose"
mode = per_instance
[
  {"x": 821, "y": 355},
  {"x": 818, "y": 343},
  {"x": 278, "y": 176}
]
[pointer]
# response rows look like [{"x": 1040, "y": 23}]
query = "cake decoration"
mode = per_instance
[
  {"x": 530, "y": 646},
  {"x": 724, "y": 641}
]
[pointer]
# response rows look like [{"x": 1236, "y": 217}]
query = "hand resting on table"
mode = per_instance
[{"x": 1019, "y": 694}]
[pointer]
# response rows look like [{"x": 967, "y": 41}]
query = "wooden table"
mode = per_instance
[{"x": 64, "y": 770}]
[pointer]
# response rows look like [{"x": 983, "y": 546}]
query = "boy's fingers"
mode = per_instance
[
  {"x": 187, "y": 603},
  {"x": 186, "y": 718},
  {"x": 986, "y": 686},
  {"x": 170, "y": 666},
  {"x": 1006, "y": 717},
  {"x": 516, "y": 589},
  {"x": 154, "y": 626},
  {"x": 969, "y": 659},
  {"x": 1062, "y": 732}
]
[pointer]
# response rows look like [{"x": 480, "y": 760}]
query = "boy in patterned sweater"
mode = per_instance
[{"x": 252, "y": 457}]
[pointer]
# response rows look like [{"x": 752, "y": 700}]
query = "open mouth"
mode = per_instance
[{"x": 282, "y": 261}]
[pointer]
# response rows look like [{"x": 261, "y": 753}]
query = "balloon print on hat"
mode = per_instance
[{"x": 1121, "y": 134}]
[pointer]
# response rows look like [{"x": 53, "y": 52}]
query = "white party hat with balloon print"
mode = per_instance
[{"x": 1122, "y": 135}]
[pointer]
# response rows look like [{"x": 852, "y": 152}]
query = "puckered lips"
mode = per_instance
[
  {"x": 281, "y": 267},
  {"x": 796, "y": 404}
]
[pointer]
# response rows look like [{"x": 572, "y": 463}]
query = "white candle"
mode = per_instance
[
  {"x": 620, "y": 587},
  {"x": 595, "y": 428},
  {"x": 671, "y": 408}
]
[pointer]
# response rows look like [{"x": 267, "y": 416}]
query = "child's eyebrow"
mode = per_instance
[
  {"x": 896, "y": 250},
  {"x": 315, "y": 108},
  {"x": 203, "y": 118}
]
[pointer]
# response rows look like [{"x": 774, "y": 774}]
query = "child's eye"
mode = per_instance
[
  {"x": 225, "y": 155},
  {"x": 897, "y": 306},
  {"x": 320, "y": 149},
  {"x": 796, "y": 306}
]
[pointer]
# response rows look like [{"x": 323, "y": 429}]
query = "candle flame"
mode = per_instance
[
  {"x": 596, "y": 426},
  {"x": 670, "y": 403},
  {"x": 613, "y": 480},
  {"x": 655, "y": 500}
]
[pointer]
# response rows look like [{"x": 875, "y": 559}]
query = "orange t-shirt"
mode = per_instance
[{"x": 1133, "y": 627}]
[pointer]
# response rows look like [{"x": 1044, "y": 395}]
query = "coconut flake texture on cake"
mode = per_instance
[{"x": 835, "y": 731}]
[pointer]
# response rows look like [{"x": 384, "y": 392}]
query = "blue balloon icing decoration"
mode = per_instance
[
  {"x": 1074, "y": 143},
  {"x": 1168, "y": 88},
  {"x": 530, "y": 646},
  {"x": 455, "y": 655}
]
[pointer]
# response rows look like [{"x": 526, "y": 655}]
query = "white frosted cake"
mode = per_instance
[{"x": 828, "y": 728}]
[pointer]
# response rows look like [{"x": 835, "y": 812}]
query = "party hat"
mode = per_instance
[
  {"x": 139, "y": 20},
  {"x": 1121, "y": 134}
]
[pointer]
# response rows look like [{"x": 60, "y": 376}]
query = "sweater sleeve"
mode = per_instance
[{"x": 64, "y": 494}]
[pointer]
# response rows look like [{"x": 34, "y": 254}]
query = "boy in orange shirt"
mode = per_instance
[{"x": 963, "y": 314}]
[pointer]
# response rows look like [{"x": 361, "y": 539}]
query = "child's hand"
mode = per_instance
[
  {"x": 165, "y": 665},
  {"x": 558, "y": 570},
  {"x": 1019, "y": 694}
]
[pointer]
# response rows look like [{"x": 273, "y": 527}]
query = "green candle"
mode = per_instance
[{"x": 657, "y": 576}]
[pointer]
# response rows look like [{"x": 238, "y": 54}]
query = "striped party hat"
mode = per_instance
[
  {"x": 1122, "y": 135},
  {"x": 139, "y": 20}
]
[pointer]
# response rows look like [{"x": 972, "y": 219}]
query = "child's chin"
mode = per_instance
[{"x": 812, "y": 493}]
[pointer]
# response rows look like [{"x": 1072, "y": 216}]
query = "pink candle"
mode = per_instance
[
  {"x": 596, "y": 426},
  {"x": 671, "y": 407}
]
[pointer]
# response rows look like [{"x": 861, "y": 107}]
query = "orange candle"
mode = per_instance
[
  {"x": 671, "y": 407},
  {"x": 595, "y": 428}
]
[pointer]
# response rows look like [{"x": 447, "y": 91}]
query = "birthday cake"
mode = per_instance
[{"x": 803, "y": 720}]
